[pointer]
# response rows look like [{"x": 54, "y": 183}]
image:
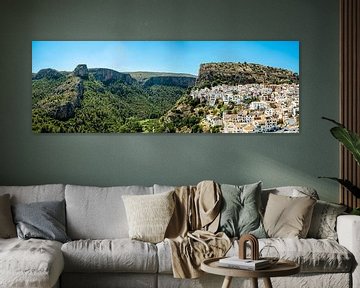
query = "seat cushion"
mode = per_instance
[
  {"x": 117, "y": 255},
  {"x": 30, "y": 263},
  {"x": 313, "y": 255}
]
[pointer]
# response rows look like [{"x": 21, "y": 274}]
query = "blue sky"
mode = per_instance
[{"x": 161, "y": 56}]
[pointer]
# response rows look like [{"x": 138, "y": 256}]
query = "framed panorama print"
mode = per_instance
[{"x": 165, "y": 87}]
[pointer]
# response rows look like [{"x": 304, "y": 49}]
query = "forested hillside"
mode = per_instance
[{"x": 102, "y": 100}]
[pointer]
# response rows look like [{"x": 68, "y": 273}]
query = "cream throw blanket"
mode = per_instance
[{"x": 191, "y": 231}]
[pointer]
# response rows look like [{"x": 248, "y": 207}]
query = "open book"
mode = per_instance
[{"x": 236, "y": 262}]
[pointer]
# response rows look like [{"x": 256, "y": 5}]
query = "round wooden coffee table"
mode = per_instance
[{"x": 281, "y": 268}]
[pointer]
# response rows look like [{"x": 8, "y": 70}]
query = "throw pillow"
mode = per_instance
[
  {"x": 44, "y": 220},
  {"x": 240, "y": 213},
  {"x": 288, "y": 217},
  {"x": 7, "y": 226},
  {"x": 323, "y": 222},
  {"x": 149, "y": 215}
]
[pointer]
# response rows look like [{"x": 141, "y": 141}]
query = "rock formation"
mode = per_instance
[{"x": 81, "y": 71}]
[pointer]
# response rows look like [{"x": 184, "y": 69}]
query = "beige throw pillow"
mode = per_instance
[
  {"x": 288, "y": 217},
  {"x": 149, "y": 215},
  {"x": 7, "y": 226}
]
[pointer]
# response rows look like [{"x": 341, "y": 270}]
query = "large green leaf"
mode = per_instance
[
  {"x": 348, "y": 185},
  {"x": 348, "y": 138}
]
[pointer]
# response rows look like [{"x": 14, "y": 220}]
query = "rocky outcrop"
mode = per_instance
[
  {"x": 47, "y": 73},
  {"x": 108, "y": 76},
  {"x": 81, "y": 71},
  {"x": 179, "y": 81},
  {"x": 67, "y": 110},
  {"x": 66, "y": 98},
  {"x": 211, "y": 74}
]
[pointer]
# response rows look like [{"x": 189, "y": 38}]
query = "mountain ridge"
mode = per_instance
[{"x": 231, "y": 73}]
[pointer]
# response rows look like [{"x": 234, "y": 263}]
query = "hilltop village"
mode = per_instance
[{"x": 254, "y": 108}]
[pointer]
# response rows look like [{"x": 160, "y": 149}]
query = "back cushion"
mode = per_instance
[
  {"x": 36, "y": 193},
  {"x": 98, "y": 212},
  {"x": 163, "y": 188}
]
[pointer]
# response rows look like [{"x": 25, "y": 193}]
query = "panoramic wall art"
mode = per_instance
[{"x": 165, "y": 87}]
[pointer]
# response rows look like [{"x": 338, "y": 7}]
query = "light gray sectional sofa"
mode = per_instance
[{"x": 102, "y": 255}]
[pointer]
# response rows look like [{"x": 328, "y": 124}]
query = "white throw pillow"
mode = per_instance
[{"x": 149, "y": 215}]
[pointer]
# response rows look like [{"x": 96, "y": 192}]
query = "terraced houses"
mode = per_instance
[{"x": 254, "y": 108}]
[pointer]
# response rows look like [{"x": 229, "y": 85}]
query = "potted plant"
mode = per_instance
[{"x": 351, "y": 141}]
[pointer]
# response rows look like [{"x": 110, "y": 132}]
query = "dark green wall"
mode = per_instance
[{"x": 103, "y": 159}]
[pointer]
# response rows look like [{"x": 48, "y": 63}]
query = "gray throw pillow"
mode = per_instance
[
  {"x": 44, "y": 220},
  {"x": 240, "y": 213},
  {"x": 7, "y": 226},
  {"x": 323, "y": 222}
]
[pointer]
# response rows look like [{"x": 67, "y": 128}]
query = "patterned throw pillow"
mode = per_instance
[
  {"x": 7, "y": 226},
  {"x": 149, "y": 215},
  {"x": 288, "y": 217},
  {"x": 323, "y": 223},
  {"x": 240, "y": 213}
]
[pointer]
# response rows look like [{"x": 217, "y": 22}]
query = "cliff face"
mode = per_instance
[
  {"x": 211, "y": 74},
  {"x": 179, "y": 81},
  {"x": 108, "y": 76}
]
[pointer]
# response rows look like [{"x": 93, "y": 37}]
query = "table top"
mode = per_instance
[{"x": 281, "y": 268}]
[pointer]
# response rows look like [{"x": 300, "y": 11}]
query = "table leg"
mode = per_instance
[
  {"x": 267, "y": 283},
  {"x": 254, "y": 282},
  {"x": 227, "y": 282}
]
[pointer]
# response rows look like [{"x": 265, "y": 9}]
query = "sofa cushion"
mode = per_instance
[
  {"x": 36, "y": 193},
  {"x": 117, "y": 255},
  {"x": 30, "y": 263},
  {"x": 240, "y": 210},
  {"x": 7, "y": 226},
  {"x": 291, "y": 191},
  {"x": 43, "y": 220},
  {"x": 323, "y": 222},
  {"x": 98, "y": 212},
  {"x": 149, "y": 215},
  {"x": 287, "y": 216},
  {"x": 313, "y": 255},
  {"x": 163, "y": 188}
]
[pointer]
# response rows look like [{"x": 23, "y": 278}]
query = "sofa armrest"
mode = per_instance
[{"x": 348, "y": 230}]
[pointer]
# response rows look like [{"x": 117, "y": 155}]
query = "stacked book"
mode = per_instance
[{"x": 248, "y": 264}]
